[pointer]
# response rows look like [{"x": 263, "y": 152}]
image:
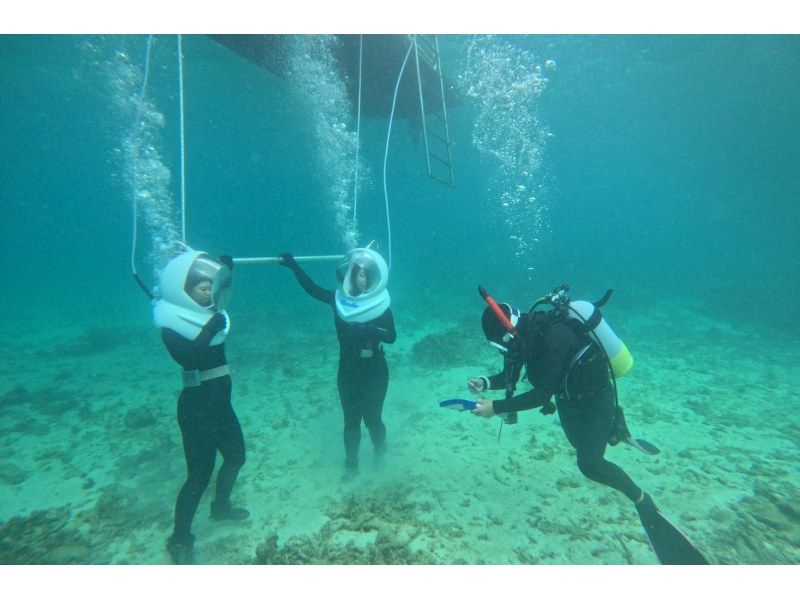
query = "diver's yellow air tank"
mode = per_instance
[{"x": 621, "y": 359}]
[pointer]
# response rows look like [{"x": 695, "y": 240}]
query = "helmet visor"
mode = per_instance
[
  {"x": 221, "y": 288},
  {"x": 358, "y": 275},
  {"x": 208, "y": 282}
]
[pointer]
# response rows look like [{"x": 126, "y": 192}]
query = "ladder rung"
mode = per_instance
[
  {"x": 439, "y": 137},
  {"x": 431, "y": 62},
  {"x": 425, "y": 61},
  {"x": 427, "y": 52},
  {"x": 443, "y": 161},
  {"x": 427, "y": 44},
  {"x": 441, "y": 180},
  {"x": 436, "y": 114}
]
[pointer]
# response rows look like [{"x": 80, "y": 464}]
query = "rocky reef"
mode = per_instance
[
  {"x": 761, "y": 528},
  {"x": 366, "y": 530},
  {"x": 457, "y": 346},
  {"x": 43, "y": 538}
]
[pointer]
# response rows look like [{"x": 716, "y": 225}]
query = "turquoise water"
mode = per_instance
[{"x": 664, "y": 167}]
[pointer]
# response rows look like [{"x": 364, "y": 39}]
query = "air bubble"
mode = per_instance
[{"x": 506, "y": 83}]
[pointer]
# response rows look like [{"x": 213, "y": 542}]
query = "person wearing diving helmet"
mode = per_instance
[
  {"x": 194, "y": 290},
  {"x": 570, "y": 352},
  {"x": 363, "y": 322}
]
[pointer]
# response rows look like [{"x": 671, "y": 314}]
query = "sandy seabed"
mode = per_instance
[{"x": 92, "y": 458}]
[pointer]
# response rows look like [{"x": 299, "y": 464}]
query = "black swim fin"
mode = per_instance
[
  {"x": 642, "y": 445},
  {"x": 620, "y": 433},
  {"x": 667, "y": 541}
]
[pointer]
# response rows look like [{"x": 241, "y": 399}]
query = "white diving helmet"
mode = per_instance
[
  {"x": 362, "y": 267},
  {"x": 177, "y": 310}
]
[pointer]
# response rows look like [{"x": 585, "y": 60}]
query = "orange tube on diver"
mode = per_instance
[{"x": 497, "y": 311}]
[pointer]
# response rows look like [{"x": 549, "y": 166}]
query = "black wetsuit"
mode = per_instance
[
  {"x": 583, "y": 389},
  {"x": 208, "y": 424},
  {"x": 362, "y": 381}
]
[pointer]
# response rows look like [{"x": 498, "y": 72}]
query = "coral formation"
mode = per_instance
[
  {"x": 445, "y": 349},
  {"x": 43, "y": 538},
  {"x": 760, "y": 527},
  {"x": 371, "y": 530}
]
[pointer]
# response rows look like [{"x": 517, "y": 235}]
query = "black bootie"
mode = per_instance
[
  {"x": 350, "y": 470},
  {"x": 222, "y": 510},
  {"x": 380, "y": 456},
  {"x": 180, "y": 548}
]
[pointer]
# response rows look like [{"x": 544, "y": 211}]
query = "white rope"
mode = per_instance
[
  {"x": 358, "y": 136},
  {"x": 183, "y": 143},
  {"x": 142, "y": 93},
  {"x": 386, "y": 154}
]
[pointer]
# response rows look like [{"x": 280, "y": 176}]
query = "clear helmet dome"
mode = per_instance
[
  {"x": 196, "y": 280},
  {"x": 362, "y": 274}
]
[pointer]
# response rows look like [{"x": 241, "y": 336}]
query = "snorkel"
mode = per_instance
[
  {"x": 511, "y": 417},
  {"x": 497, "y": 311}
]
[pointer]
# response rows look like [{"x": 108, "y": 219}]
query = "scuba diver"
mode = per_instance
[
  {"x": 570, "y": 351},
  {"x": 363, "y": 322},
  {"x": 194, "y": 290}
]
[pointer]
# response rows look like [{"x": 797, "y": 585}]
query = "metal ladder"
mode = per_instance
[{"x": 433, "y": 108}]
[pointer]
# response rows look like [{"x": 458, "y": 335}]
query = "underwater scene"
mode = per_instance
[{"x": 391, "y": 177}]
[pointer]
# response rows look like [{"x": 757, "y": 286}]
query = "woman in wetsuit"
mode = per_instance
[
  {"x": 193, "y": 328},
  {"x": 364, "y": 322}
]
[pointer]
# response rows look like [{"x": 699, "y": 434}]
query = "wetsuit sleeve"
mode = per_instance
[
  {"x": 527, "y": 400},
  {"x": 385, "y": 330},
  {"x": 183, "y": 350},
  {"x": 310, "y": 287},
  {"x": 498, "y": 381},
  {"x": 521, "y": 402},
  {"x": 378, "y": 330}
]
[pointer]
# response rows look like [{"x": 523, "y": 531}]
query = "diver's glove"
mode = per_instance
[
  {"x": 216, "y": 323},
  {"x": 226, "y": 260},
  {"x": 548, "y": 408},
  {"x": 287, "y": 259}
]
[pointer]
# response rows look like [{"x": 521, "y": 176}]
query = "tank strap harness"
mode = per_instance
[
  {"x": 194, "y": 378},
  {"x": 594, "y": 320},
  {"x": 585, "y": 318},
  {"x": 586, "y": 323}
]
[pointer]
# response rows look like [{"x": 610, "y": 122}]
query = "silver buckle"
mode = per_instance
[
  {"x": 367, "y": 353},
  {"x": 191, "y": 378}
]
